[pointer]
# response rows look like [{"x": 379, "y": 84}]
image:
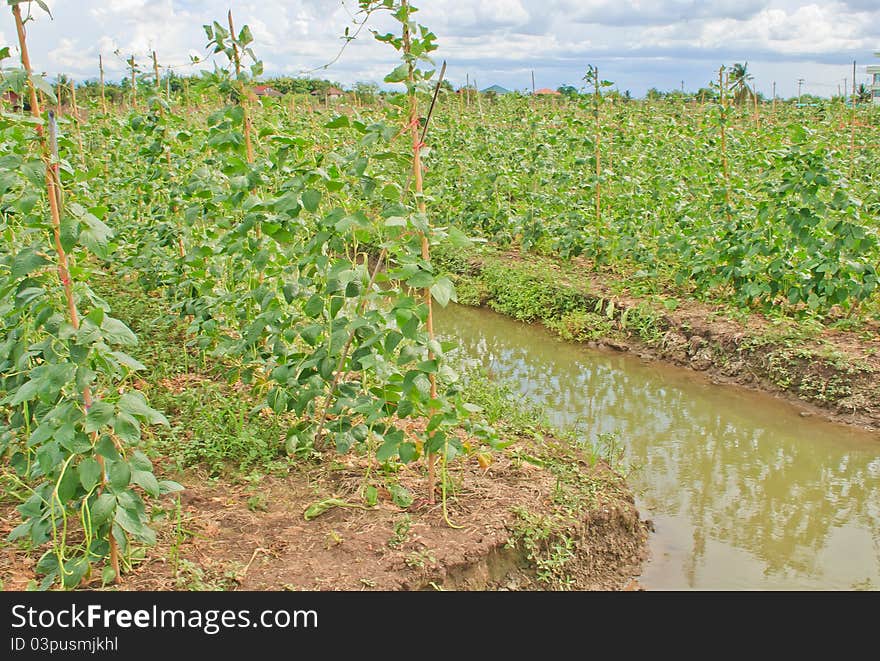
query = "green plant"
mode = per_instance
[{"x": 401, "y": 531}]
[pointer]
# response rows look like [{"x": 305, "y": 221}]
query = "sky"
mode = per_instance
[{"x": 637, "y": 44}]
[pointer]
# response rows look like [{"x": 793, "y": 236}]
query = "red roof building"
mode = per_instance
[{"x": 266, "y": 90}]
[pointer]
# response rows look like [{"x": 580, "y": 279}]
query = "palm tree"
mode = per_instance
[
  {"x": 739, "y": 81},
  {"x": 863, "y": 95}
]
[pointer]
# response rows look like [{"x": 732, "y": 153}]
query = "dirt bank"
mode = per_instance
[
  {"x": 541, "y": 517},
  {"x": 831, "y": 373}
]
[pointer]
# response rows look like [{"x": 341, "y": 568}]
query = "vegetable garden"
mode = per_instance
[{"x": 295, "y": 244}]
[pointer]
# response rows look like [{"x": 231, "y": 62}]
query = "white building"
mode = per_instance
[{"x": 874, "y": 71}]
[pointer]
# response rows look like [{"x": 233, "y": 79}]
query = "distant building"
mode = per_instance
[
  {"x": 331, "y": 93},
  {"x": 546, "y": 91},
  {"x": 874, "y": 70},
  {"x": 495, "y": 89},
  {"x": 265, "y": 90}
]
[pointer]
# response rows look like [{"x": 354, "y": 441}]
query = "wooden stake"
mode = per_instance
[{"x": 53, "y": 193}]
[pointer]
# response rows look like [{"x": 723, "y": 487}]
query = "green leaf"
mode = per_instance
[
  {"x": 401, "y": 497},
  {"x": 421, "y": 280},
  {"x": 131, "y": 523},
  {"x": 107, "y": 448},
  {"x": 317, "y": 509},
  {"x": 400, "y": 73},
  {"x": 458, "y": 238},
  {"x": 443, "y": 291},
  {"x": 244, "y": 36},
  {"x": 337, "y": 122},
  {"x": 69, "y": 233},
  {"x": 119, "y": 474},
  {"x": 75, "y": 568},
  {"x": 44, "y": 7},
  {"x": 26, "y": 262},
  {"x": 100, "y": 414},
  {"x": 147, "y": 481},
  {"x": 89, "y": 473},
  {"x": 127, "y": 427},
  {"x": 128, "y": 361},
  {"x": 371, "y": 495},
  {"x": 170, "y": 486},
  {"x": 140, "y": 462},
  {"x": 95, "y": 235},
  {"x": 311, "y": 198},
  {"x": 314, "y": 306},
  {"x": 26, "y": 392},
  {"x": 116, "y": 332},
  {"x": 135, "y": 404},
  {"x": 102, "y": 508}
]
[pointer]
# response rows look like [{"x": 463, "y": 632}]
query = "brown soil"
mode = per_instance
[
  {"x": 830, "y": 373},
  {"x": 255, "y": 537}
]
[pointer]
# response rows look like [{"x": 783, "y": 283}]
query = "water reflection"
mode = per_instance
[{"x": 744, "y": 492}]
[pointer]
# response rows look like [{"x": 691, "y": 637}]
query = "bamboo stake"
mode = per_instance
[
  {"x": 245, "y": 100},
  {"x": 426, "y": 247},
  {"x": 53, "y": 193},
  {"x": 755, "y": 97},
  {"x": 852, "y": 127},
  {"x": 339, "y": 375},
  {"x": 101, "y": 70},
  {"x": 156, "y": 70},
  {"x": 722, "y": 83},
  {"x": 597, "y": 100},
  {"x": 79, "y": 141},
  {"x": 58, "y": 95},
  {"x": 134, "y": 91},
  {"x": 479, "y": 101}
]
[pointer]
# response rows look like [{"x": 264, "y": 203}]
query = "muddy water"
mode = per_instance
[{"x": 744, "y": 492}]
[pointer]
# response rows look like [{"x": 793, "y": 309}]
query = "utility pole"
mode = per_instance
[
  {"x": 800, "y": 82},
  {"x": 533, "y": 82},
  {"x": 682, "y": 87}
]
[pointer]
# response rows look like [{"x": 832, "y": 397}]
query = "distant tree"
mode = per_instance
[
  {"x": 568, "y": 91},
  {"x": 367, "y": 92},
  {"x": 738, "y": 80},
  {"x": 707, "y": 94},
  {"x": 654, "y": 94}
]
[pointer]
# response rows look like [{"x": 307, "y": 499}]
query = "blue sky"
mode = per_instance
[{"x": 638, "y": 44}]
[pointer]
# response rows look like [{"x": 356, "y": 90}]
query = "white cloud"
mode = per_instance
[{"x": 639, "y": 43}]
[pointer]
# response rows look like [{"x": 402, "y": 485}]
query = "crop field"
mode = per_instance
[{"x": 290, "y": 244}]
